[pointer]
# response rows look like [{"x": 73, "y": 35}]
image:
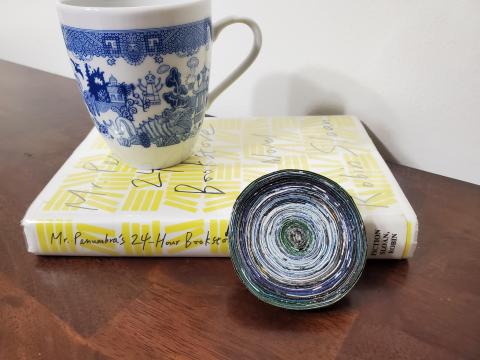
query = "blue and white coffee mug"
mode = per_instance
[{"x": 143, "y": 67}]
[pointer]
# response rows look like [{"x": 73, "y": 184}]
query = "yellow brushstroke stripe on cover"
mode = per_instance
[
  {"x": 406, "y": 250},
  {"x": 101, "y": 206},
  {"x": 227, "y": 153},
  {"x": 93, "y": 239},
  {"x": 50, "y": 230},
  {"x": 42, "y": 239},
  {"x": 115, "y": 181},
  {"x": 128, "y": 202},
  {"x": 126, "y": 236},
  {"x": 183, "y": 200},
  {"x": 146, "y": 239},
  {"x": 58, "y": 228},
  {"x": 294, "y": 162},
  {"x": 222, "y": 202},
  {"x": 147, "y": 201},
  {"x": 156, "y": 201},
  {"x": 66, "y": 198},
  {"x": 47, "y": 206},
  {"x": 157, "y": 237},
  {"x": 218, "y": 236},
  {"x": 70, "y": 236},
  {"x": 73, "y": 181},
  {"x": 140, "y": 194},
  {"x": 213, "y": 231},
  {"x": 135, "y": 238}
]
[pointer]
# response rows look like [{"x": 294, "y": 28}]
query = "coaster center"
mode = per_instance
[{"x": 295, "y": 236}]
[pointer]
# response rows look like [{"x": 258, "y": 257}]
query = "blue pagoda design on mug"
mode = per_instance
[{"x": 160, "y": 108}]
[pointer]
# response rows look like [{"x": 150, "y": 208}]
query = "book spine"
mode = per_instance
[
  {"x": 204, "y": 238},
  {"x": 389, "y": 237}
]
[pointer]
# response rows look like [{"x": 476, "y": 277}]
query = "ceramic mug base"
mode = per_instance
[{"x": 154, "y": 157}]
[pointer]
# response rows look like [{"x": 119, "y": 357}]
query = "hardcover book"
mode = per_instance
[{"x": 97, "y": 205}]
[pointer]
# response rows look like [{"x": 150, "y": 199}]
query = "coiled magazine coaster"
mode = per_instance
[{"x": 297, "y": 240}]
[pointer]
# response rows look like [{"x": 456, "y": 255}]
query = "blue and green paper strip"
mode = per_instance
[{"x": 297, "y": 240}]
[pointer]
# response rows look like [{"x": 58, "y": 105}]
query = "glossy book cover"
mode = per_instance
[{"x": 97, "y": 205}]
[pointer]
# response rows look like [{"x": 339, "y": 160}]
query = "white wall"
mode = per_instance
[{"x": 409, "y": 69}]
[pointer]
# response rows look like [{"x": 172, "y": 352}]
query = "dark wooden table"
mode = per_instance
[{"x": 141, "y": 308}]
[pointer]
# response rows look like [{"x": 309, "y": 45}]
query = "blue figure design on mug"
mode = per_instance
[
  {"x": 150, "y": 90},
  {"x": 161, "y": 108}
]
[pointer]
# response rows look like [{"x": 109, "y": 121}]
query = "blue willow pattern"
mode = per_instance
[
  {"x": 135, "y": 45},
  {"x": 185, "y": 97}
]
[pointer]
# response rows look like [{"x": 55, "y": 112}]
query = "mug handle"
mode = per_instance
[{"x": 245, "y": 64}]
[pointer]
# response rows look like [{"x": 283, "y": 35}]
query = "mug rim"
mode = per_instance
[
  {"x": 72, "y": 5},
  {"x": 144, "y": 16}
]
